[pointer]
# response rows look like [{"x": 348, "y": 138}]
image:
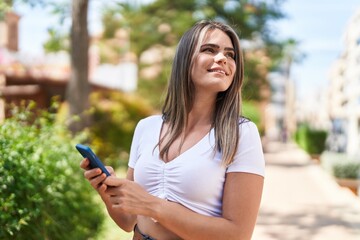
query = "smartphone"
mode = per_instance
[{"x": 95, "y": 162}]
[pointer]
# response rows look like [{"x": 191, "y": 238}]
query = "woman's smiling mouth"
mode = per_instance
[{"x": 218, "y": 70}]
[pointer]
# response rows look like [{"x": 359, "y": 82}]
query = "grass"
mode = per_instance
[{"x": 112, "y": 232}]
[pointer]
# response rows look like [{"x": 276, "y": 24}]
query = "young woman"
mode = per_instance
[{"x": 196, "y": 171}]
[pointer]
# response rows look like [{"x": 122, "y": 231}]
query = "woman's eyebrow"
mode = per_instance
[{"x": 217, "y": 46}]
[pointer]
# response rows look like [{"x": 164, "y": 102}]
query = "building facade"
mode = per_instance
[
  {"x": 9, "y": 31},
  {"x": 344, "y": 92},
  {"x": 280, "y": 113}
]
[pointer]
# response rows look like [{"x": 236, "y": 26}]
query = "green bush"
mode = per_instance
[
  {"x": 311, "y": 140},
  {"x": 347, "y": 170},
  {"x": 251, "y": 111},
  {"x": 115, "y": 116},
  {"x": 43, "y": 194}
]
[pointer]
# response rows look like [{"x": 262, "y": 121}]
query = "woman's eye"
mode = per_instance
[
  {"x": 208, "y": 50},
  {"x": 230, "y": 55}
]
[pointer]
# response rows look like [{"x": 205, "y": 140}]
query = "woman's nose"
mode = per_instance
[{"x": 220, "y": 57}]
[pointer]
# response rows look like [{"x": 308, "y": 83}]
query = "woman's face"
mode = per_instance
[{"x": 214, "y": 66}]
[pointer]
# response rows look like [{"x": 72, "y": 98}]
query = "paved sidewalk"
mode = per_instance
[{"x": 303, "y": 202}]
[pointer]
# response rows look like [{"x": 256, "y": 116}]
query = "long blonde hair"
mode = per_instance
[{"x": 181, "y": 90}]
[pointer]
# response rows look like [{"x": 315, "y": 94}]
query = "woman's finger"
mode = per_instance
[
  {"x": 113, "y": 191},
  {"x": 98, "y": 181},
  {"x": 92, "y": 173},
  {"x": 84, "y": 164},
  {"x": 102, "y": 188},
  {"x": 114, "y": 182},
  {"x": 111, "y": 170}
]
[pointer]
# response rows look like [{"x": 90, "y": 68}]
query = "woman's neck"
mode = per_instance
[{"x": 202, "y": 112}]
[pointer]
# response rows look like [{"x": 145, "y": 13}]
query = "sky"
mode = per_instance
[{"x": 318, "y": 25}]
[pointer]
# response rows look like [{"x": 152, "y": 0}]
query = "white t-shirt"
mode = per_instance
[{"x": 195, "y": 178}]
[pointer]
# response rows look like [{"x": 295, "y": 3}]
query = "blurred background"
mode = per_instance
[{"x": 88, "y": 70}]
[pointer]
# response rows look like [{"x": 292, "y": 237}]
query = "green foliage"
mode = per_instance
[
  {"x": 163, "y": 22},
  {"x": 347, "y": 170},
  {"x": 159, "y": 22},
  {"x": 43, "y": 194},
  {"x": 56, "y": 42},
  {"x": 253, "y": 78},
  {"x": 311, "y": 140},
  {"x": 340, "y": 165},
  {"x": 115, "y": 116},
  {"x": 155, "y": 89},
  {"x": 5, "y": 6},
  {"x": 252, "y": 112},
  {"x": 111, "y": 20}
]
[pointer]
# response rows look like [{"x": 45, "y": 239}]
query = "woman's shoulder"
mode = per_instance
[
  {"x": 151, "y": 120},
  {"x": 246, "y": 122},
  {"x": 148, "y": 124},
  {"x": 247, "y": 126}
]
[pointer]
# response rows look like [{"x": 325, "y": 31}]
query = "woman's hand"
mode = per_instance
[
  {"x": 128, "y": 196},
  {"x": 95, "y": 176}
]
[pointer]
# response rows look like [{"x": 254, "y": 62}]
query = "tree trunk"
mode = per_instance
[{"x": 78, "y": 89}]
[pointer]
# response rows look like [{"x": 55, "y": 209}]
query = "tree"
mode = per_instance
[
  {"x": 78, "y": 88},
  {"x": 162, "y": 22}
]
